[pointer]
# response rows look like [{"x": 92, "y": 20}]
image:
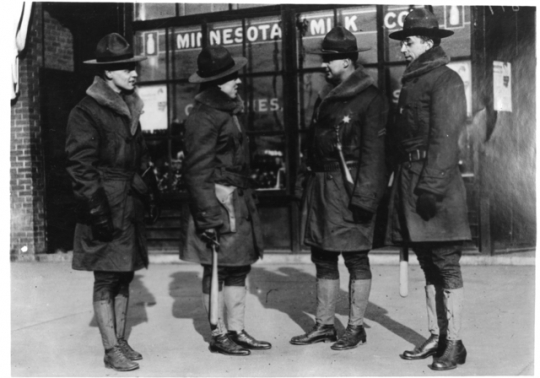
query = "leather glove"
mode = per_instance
[
  {"x": 100, "y": 217},
  {"x": 426, "y": 205},
  {"x": 361, "y": 215},
  {"x": 210, "y": 236}
]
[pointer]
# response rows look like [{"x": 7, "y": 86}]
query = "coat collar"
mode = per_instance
[
  {"x": 352, "y": 86},
  {"x": 215, "y": 98},
  {"x": 131, "y": 106},
  {"x": 431, "y": 59}
]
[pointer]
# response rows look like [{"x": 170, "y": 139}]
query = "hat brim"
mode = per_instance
[
  {"x": 136, "y": 58},
  {"x": 430, "y": 33},
  {"x": 239, "y": 63},
  {"x": 334, "y": 52}
]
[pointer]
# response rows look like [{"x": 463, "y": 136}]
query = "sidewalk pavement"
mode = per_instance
[{"x": 54, "y": 333}]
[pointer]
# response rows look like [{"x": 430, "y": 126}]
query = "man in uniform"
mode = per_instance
[
  {"x": 428, "y": 209},
  {"x": 106, "y": 157},
  {"x": 347, "y": 161}
]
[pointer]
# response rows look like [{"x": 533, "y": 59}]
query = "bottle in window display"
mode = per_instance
[
  {"x": 222, "y": 208},
  {"x": 346, "y": 156}
]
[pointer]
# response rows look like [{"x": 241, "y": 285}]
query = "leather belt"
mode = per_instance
[
  {"x": 414, "y": 155},
  {"x": 333, "y": 166}
]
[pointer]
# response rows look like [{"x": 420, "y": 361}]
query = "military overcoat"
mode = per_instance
[
  {"x": 430, "y": 116},
  {"x": 360, "y": 112},
  {"x": 105, "y": 152},
  {"x": 216, "y": 153}
]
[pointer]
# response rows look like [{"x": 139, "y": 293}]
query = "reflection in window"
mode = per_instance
[
  {"x": 268, "y": 163},
  {"x": 264, "y": 103},
  {"x": 152, "y": 45},
  {"x": 151, "y": 11}
]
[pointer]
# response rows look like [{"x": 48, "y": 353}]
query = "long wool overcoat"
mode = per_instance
[
  {"x": 105, "y": 152},
  {"x": 361, "y": 111},
  {"x": 215, "y": 153},
  {"x": 430, "y": 116}
]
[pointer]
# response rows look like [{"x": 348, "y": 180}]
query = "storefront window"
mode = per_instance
[
  {"x": 268, "y": 162},
  {"x": 151, "y": 11},
  {"x": 152, "y": 45},
  {"x": 185, "y": 45}
]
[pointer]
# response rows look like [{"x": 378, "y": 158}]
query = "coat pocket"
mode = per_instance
[{"x": 117, "y": 192}]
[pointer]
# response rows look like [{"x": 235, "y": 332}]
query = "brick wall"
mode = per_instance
[
  {"x": 58, "y": 45},
  {"x": 27, "y": 176}
]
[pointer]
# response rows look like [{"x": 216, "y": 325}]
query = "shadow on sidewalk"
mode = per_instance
[
  {"x": 185, "y": 288},
  {"x": 139, "y": 299},
  {"x": 293, "y": 292}
]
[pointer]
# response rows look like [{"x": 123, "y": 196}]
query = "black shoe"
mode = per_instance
[
  {"x": 454, "y": 354},
  {"x": 222, "y": 344},
  {"x": 115, "y": 359},
  {"x": 351, "y": 338},
  {"x": 430, "y": 347},
  {"x": 243, "y": 339},
  {"x": 320, "y": 332},
  {"x": 128, "y": 351}
]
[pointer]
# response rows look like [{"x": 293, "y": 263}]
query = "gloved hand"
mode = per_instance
[
  {"x": 361, "y": 215},
  {"x": 100, "y": 217},
  {"x": 210, "y": 236},
  {"x": 426, "y": 205}
]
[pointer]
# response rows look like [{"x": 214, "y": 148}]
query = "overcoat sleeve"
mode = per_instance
[
  {"x": 448, "y": 113},
  {"x": 200, "y": 138},
  {"x": 82, "y": 150},
  {"x": 371, "y": 178}
]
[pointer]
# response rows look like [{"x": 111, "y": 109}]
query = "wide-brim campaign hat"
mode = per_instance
[
  {"x": 114, "y": 49},
  {"x": 339, "y": 41},
  {"x": 216, "y": 62},
  {"x": 422, "y": 22}
]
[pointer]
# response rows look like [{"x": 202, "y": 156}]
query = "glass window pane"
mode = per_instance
[
  {"x": 183, "y": 98},
  {"x": 242, "y": 5},
  {"x": 186, "y": 44},
  {"x": 454, "y": 17},
  {"x": 267, "y": 162},
  {"x": 151, "y": 11},
  {"x": 396, "y": 73},
  {"x": 198, "y": 8},
  {"x": 152, "y": 45},
  {"x": 154, "y": 118},
  {"x": 263, "y": 98},
  {"x": 263, "y": 38}
]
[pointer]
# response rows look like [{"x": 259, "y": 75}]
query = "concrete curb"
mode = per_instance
[{"x": 375, "y": 258}]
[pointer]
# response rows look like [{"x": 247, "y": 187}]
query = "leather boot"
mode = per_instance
[
  {"x": 320, "y": 332},
  {"x": 121, "y": 303},
  {"x": 245, "y": 340},
  {"x": 351, "y": 338},
  {"x": 327, "y": 296},
  {"x": 358, "y": 300},
  {"x": 437, "y": 325},
  {"x": 114, "y": 358},
  {"x": 428, "y": 348},
  {"x": 221, "y": 328},
  {"x": 454, "y": 354},
  {"x": 454, "y": 351},
  {"x": 224, "y": 345}
]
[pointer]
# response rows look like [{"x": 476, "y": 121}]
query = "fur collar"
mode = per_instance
[
  {"x": 215, "y": 98},
  {"x": 131, "y": 106},
  {"x": 431, "y": 59},
  {"x": 352, "y": 86}
]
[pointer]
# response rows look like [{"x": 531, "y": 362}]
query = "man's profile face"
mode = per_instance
[
  {"x": 412, "y": 47},
  {"x": 123, "y": 78},
  {"x": 334, "y": 68}
]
